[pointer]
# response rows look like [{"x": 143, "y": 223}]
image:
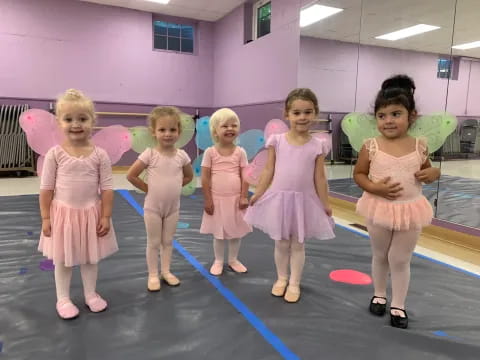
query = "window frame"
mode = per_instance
[
  {"x": 256, "y": 6},
  {"x": 176, "y": 21}
]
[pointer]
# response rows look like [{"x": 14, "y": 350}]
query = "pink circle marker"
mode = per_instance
[{"x": 349, "y": 276}]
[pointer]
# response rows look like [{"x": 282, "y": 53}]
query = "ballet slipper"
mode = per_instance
[
  {"x": 96, "y": 303},
  {"x": 170, "y": 279},
  {"x": 279, "y": 287},
  {"x": 292, "y": 295},
  {"x": 153, "y": 283},
  {"x": 66, "y": 309},
  {"x": 237, "y": 267},
  {"x": 217, "y": 268}
]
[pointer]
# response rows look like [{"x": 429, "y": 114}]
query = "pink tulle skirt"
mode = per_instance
[
  {"x": 74, "y": 239},
  {"x": 227, "y": 219},
  {"x": 289, "y": 214},
  {"x": 395, "y": 215}
]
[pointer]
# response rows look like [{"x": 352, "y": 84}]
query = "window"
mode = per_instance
[
  {"x": 448, "y": 67},
  {"x": 444, "y": 68},
  {"x": 262, "y": 16},
  {"x": 173, "y": 37}
]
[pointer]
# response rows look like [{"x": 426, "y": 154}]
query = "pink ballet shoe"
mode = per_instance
[
  {"x": 292, "y": 295},
  {"x": 237, "y": 267},
  {"x": 153, "y": 284},
  {"x": 95, "y": 303},
  {"x": 279, "y": 287},
  {"x": 66, "y": 309},
  {"x": 217, "y": 268},
  {"x": 170, "y": 279}
]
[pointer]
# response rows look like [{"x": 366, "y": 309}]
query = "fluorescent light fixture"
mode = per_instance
[
  {"x": 159, "y": 1},
  {"x": 315, "y": 13},
  {"x": 407, "y": 32},
  {"x": 467, "y": 46}
]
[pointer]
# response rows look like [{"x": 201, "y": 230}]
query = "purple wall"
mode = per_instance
[
  {"x": 329, "y": 68},
  {"x": 263, "y": 70},
  {"x": 50, "y": 45}
]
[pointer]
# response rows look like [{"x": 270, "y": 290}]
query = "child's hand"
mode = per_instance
[
  {"x": 328, "y": 211},
  {"x": 243, "y": 203},
  {"x": 208, "y": 207},
  {"x": 388, "y": 190},
  {"x": 253, "y": 199},
  {"x": 428, "y": 175},
  {"x": 103, "y": 226},
  {"x": 46, "y": 227}
]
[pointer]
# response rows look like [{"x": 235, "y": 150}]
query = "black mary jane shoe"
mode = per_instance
[
  {"x": 376, "y": 308},
  {"x": 398, "y": 321}
]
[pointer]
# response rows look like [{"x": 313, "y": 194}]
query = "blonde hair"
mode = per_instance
[
  {"x": 161, "y": 111},
  {"x": 74, "y": 96},
  {"x": 219, "y": 117}
]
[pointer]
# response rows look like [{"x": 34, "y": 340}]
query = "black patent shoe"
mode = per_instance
[
  {"x": 398, "y": 321},
  {"x": 376, "y": 308}
]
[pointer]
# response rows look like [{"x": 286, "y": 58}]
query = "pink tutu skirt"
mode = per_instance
[
  {"x": 227, "y": 219},
  {"x": 74, "y": 239},
  {"x": 395, "y": 215},
  {"x": 289, "y": 214}
]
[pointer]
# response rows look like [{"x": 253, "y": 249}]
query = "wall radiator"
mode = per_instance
[{"x": 15, "y": 154}]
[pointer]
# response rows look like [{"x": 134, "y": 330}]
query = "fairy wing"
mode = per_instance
[
  {"x": 359, "y": 127},
  {"x": 203, "y": 138},
  {"x": 275, "y": 126},
  {"x": 326, "y": 139},
  {"x": 435, "y": 128},
  {"x": 251, "y": 173},
  {"x": 141, "y": 138},
  {"x": 41, "y": 129},
  {"x": 115, "y": 140},
  {"x": 252, "y": 141},
  {"x": 188, "y": 130}
]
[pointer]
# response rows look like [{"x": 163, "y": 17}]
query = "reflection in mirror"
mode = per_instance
[
  {"x": 328, "y": 66},
  {"x": 412, "y": 38},
  {"x": 458, "y": 198}
]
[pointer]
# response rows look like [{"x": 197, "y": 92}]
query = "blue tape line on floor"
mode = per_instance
[{"x": 269, "y": 336}]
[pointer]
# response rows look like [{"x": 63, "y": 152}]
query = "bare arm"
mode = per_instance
[
  {"x": 134, "y": 173},
  {"x": 107, "y": 203},
  {"x": 187, "y": 174},
  {"x": 46, "y": 197},
  {"x": 427, "y": 173},
  {"x": 361, "y": 171},
  {"x": 321, "y": 184},
  {"x": 207, "y": 189},
  {"x": 266, "y": 176},
  {"x": 383, "y": 188}
]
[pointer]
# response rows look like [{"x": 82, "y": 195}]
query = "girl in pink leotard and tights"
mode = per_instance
[{"x": 168, "y": 169}]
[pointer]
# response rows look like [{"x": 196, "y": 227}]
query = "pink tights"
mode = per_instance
[
  {"x": 392, "y": 251},
  {"x": 160, "y": 232}
]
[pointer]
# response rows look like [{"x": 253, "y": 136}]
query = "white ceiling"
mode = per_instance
[
  {"x": 207, "y": 10},
  {"x": 364, "y": 20},
  {"x": 360, "y": 21}
]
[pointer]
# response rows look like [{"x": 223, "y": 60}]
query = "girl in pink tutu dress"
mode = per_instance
[
  {"x": 168, "y": 169},
  {"x": 224, "y": 191},
  {"x": 76, "y": 200},
  {"x": 295, "y": 207},
  {"x": 390, "y": 169}
]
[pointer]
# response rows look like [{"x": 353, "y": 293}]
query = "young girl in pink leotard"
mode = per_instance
[
  {"x": 168, "y": 169},
  {"x": 76, "y": 199}
]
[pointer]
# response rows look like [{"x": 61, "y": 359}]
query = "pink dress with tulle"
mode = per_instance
[
  {"x": 76, "y": 207},
  {"x": 227, "y": 219},
  {"x": 291, "y": 208},
  {"x": 411, "y": 210}
]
